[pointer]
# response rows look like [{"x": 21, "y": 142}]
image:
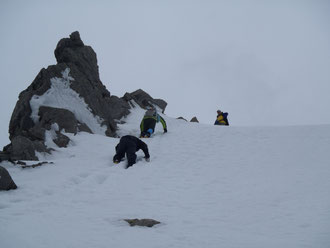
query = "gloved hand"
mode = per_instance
[
  {"x": 115, "y": 159},
  {"x": 165, "y": 130}
]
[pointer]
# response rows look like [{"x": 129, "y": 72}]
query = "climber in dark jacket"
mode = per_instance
[
  {"x": 130, "y": 145},
  {"x": 221, "y": 119},
  {"x": 149, "y": 121}
]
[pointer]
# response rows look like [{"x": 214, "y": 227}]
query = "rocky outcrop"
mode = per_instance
[
  {"x": 63, "y": 118},
  {"x": 144, "y": 100},
  {"x": 194, "y": 119},
  {"x": 6, "y": 182},
  {"x": 4, "y": 156},
  {"x": 181, "y": 118},
  {"x": 68, "y": 97},
  {"x": 142, "y": 222}
]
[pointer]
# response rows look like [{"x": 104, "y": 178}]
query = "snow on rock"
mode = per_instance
[
  {"x": 72, "y": 95},
  {"x": 60, "y": 95},
  {"x": 72, "y": 85}
]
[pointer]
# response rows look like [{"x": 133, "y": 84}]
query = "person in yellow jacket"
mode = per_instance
[
  {"x": 149, "y": 121},
  {"x": 221, "y": 119}
]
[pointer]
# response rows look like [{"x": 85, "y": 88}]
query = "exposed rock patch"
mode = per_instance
[
  {"x": 144, "y": 100},
  {"x": 194, "y": 119},
  {"x": 142, "y": 222},
  {"x": 181, "y": 118},
  {"x": 6, "y": 182},
  {"x": 24, "y": 165}
]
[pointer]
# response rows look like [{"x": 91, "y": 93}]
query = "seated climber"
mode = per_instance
[
  {"x": 130, "y": 145},
  {"x": 221, "y": 119},
  {"x": 149, "y": 121}
]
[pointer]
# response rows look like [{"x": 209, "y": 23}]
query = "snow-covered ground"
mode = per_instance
[{"x": 210, "y": 186}]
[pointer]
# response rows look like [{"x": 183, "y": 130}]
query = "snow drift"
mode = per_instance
[{"x": 209, "y": 186}]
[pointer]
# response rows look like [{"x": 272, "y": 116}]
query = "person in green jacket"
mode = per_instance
[{"x": 149, "y": 121}]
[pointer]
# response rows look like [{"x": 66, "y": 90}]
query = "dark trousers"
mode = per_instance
[{"x": 148, "y": 123}]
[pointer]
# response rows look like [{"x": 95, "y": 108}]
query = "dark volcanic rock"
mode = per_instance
[
  {"x": 73, "y": 51},
  {"x": 68, "y": 97},
  {"x": 6, "y": 182},
  {"x": 23, "y": 148},
  {"x": 61, "y": 140},
  {"x": 144, "y": 100},
  {"x": 194, "y": 119},
  {"x": 119, "y": 107},
  {"x": 181, "y": 118},
  {"x": 4, "y": 156},
  {"x": 142, "y": 222},
  {"x": 79, "y": 63},
  {"x": 64, "y": 118}
]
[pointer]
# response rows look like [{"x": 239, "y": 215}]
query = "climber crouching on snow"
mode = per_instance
[
  {"x": 149, "y": 121},
  {"x": 221, "y": 119},
  {"x": 130, "y": 145}
]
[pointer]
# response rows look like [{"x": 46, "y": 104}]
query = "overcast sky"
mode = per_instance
[{"x": 264, "y": 62}]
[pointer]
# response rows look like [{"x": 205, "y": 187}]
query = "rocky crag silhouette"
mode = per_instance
[{"x": 68, "y": 97}]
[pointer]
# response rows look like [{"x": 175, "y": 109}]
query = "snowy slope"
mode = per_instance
[{"x": 210, "y": 186}]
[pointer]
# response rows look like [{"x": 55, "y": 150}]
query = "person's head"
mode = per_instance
[
  {"x": 219, "y": 112},
  {"x": 150, "y": 107},
  {"x": 151, "y": 111},
  {"x": 155, "y": 111}
]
